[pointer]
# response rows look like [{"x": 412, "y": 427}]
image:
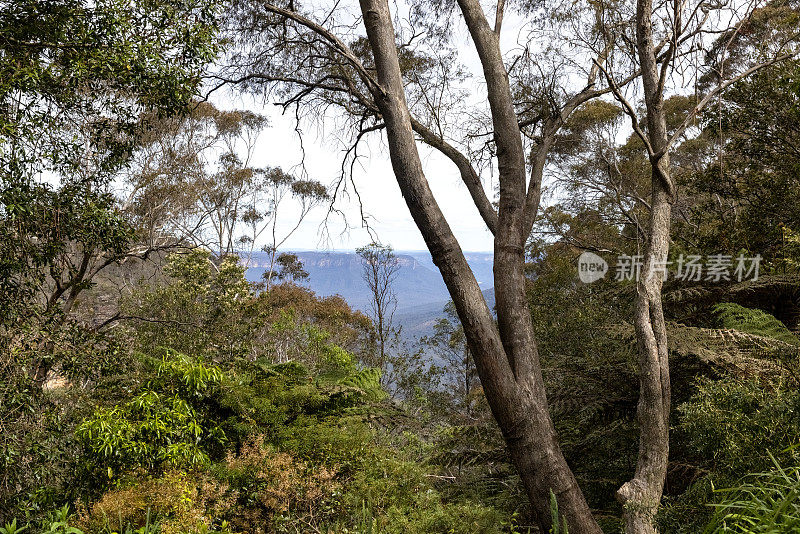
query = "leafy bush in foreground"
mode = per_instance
[
  {"x": 765, "y": 503},
  {"x": 262, "y": 448}
]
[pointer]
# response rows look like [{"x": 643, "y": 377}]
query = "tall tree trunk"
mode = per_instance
[
  {"x": 641, "y": 495},
  {"x": 505, "y": 357}
]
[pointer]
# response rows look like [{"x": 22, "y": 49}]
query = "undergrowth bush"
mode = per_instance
[
  {"x": 159, "y": 428},
  {"x": 729, "y": 428},
  {"x": 732, "y": 424},
  {"x": 262, "y": 447},
  {"x": 764, "y": 503}
]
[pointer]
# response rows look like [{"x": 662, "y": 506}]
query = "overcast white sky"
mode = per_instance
[
  {"x": 280, "y": 146},
  {"x": 381, "y": 201}
]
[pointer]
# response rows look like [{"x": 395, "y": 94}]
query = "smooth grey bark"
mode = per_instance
[
  {"x": 641, "y": 495},
  {"x": 505, "y": 353}
]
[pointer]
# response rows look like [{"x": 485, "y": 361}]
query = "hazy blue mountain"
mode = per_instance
[
  {"x": 480, "y": 262},
  {"x": 418, "y": 321},
  {"x": 421, "y": 293}
]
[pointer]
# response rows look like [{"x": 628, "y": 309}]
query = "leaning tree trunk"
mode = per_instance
[
  {"x": 641, "y": 495},
  {"x": 505, "y": 356}
]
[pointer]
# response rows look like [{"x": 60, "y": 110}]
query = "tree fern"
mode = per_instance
[
  {"x": 367, "y": 381},
  {"x": 752, "y": 321}
]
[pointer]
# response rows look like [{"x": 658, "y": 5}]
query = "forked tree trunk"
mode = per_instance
[
  {"x": 505, "y": 356},
  {"x": 641, "y": 495}
]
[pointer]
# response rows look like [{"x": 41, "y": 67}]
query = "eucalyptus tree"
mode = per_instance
[
  {"x": 678, "y": 46},
  {"x": 290, "y": 268},
  {"x": 190, "y": 177},
  {"x": 379, "y": 271},
  {"x": 76, "y": 78},
  {"x": 745, "y": 197},
  {"x": 277, "y": 187},
  {"x": 408, "y": 81},
  {"x": 193, "y": 181},
  {"x": 450, "y": 345}
]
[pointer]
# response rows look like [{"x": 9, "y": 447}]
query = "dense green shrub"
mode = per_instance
[
  {"x": 205, "y": 306},
  {"x": 729, "y": 428},
  {"x": 151, "y": 431},
  {"x": 201, "y": 309},
  {"x": 270, "y": 445},
  {"x": 732, "y": 425},
  {"x": 397, "y": 496}
]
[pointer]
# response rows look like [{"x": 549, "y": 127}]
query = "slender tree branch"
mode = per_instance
[
  {"x": 628, "y": 109},
  {"x": 468, "y": 174},
  {"x": 714, "y": 92},
  {"x": 498, "y": 17},
  {"x": 334, "y": 41}
]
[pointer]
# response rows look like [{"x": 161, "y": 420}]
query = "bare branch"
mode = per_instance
[
  {"x": 716, "y": 91},
  {"x": 334, "y": 41},
  {"x": 628, "y": 109},
  {"x": 468, "y": 174},
  {"x": 498, "y": 17}
]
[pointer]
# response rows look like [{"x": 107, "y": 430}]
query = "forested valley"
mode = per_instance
[{"x": 636, "y": 369}]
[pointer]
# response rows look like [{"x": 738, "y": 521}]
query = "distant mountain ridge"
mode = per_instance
[
  {"x": 418, "y": 321},
  {"x": 419, "y": 286}
]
